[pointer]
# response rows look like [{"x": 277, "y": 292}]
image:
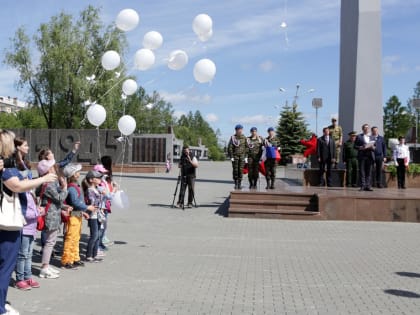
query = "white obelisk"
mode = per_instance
[{"x": 360, "y": 99}]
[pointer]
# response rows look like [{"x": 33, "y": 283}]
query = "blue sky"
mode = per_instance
[{"x": 253, "y": 54}]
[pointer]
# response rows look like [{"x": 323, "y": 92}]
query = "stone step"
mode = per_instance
[
  {"x": 272, "y": 197},
  {"x": 276, "y": 214},
  {"x": 272, "y": 204}
]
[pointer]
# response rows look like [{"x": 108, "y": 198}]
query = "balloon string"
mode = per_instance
[
  {"x": 163, "y": 74},
  {"x": 98, "y": 144},
  {"x": 105, "y": 47},
  {"x": 112, "y": 87},
  {"x": 122, "y": 161}
]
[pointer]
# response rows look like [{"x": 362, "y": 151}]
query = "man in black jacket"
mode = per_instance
[
  {"x": 380, "y": 156},
  {"x": 188, "y": 165},
  {"x": 366, "y": 148},
  {"x": 326, "y": 152}
]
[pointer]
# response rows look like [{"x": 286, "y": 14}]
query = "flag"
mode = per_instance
[
  {"x": 261, "y": 168},
  {"x": 245, "y": 169},
  {"x": 310, "y": 145}
]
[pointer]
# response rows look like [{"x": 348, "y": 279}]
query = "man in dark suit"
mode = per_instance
[
  {"x": 326, "y": 151},
  {"x": 380, "y": 156},
  {"x": 365, "y": 146}
]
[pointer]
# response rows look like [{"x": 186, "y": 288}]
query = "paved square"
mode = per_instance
[{"x": 169, "y": 261}]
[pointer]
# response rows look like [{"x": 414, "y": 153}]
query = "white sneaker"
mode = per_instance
[
  {"x": 100, "y": 254},
  {"x": 48, "y": 274},
  {"x": 10, "y": 310},
  {"x": 53, "y": 270}
]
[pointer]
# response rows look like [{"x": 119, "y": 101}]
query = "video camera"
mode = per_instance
[{"x": 184, "y": 158}]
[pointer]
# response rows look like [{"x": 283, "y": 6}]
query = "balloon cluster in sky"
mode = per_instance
[{"x": 144, "y": 58}]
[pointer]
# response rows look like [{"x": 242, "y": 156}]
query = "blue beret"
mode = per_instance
[
  {"x": 253, "y": 129},
  {"x": 239, "y": 126},
  {"x": 270, "y": 129}
]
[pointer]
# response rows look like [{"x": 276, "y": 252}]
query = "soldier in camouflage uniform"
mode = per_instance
[
  {"x": 238, "y": 150},
  {"x": 255, "y": 145},
  {"x": 336, "y": 132},
  {"x": 270, "y": 163},
  {"x": 350, "y": 158}
]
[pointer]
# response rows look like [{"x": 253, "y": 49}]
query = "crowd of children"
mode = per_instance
[{"x": 63, "y": 205}]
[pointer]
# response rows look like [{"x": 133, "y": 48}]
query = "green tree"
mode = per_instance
[
  {"x": 31, "y": 118},
  {"x": 54, "y": 65},
  {"x": 416, "y": 95},
  {"x": 290, "y": 130},
  {"x": 413, "y": 111},
  {"x": 9, "y": 121},
  {"x": 193, "y": 129},
  {"x": 397, "y": 119},
  {"x": 152, "y": 113}
]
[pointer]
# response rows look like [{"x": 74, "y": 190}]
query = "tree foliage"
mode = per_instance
[
  {"x": 397, "y": 119},
  {"x": 413, "y": 111},
  {"x": 192, "y": 128},
  {"x": 290, "y": 130},
  {"x": 53, "y": 67},
  {"x": 27, "y": 118},
  {"x": 151, "y": 112}
]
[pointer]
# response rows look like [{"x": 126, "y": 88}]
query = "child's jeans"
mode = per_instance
[{"x": 24, "y": 260}]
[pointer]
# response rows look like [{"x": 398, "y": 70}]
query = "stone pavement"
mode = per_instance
[{"x": 169, "y": 261}]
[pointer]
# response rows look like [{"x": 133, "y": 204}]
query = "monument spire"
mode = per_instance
[{"x": 360, "y": 99}]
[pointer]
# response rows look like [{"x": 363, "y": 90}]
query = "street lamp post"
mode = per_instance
[
  {"x": 416, "y": 105},
  {"x": 316, "y": 103},
  {"x": 296, "y": 97}
]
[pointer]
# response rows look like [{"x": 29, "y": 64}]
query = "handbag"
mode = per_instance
[
  {"x": 40, "y": 224},
  {"x": 11, "y": 217}
]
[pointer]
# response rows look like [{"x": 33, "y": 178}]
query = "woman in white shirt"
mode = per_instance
[{"x": 401, "y": 158}]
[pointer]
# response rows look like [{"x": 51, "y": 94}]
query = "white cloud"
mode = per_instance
[
  {"x": 266, "y": 66},
  {"x": 178, "y": 113},
  {"x": 392, "y": 65},
  {"x": 212, "y": 117},
  {"x": 256, "y": 119},
  {"x": 311, "y": 25},
  {"x": 186, "y": 97}
]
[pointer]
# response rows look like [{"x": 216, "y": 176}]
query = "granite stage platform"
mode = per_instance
[{"x": 318, "y": 203}]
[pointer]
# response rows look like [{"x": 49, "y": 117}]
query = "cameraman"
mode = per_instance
[{"x": 187, "y": 165}]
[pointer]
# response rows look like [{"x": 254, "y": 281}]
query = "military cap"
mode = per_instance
[
  {"x": 253, "y": 129},
  {"x": 270, "y": 129},
  {"x": 239, "y": 126}
]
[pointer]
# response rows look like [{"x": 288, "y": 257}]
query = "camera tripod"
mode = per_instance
[{"x": 183, "y": 180}]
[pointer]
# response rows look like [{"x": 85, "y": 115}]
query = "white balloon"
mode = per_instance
[
  {"x": 127, "y": 20},
  {"x": 120, "y": 200},
  {"x": 283, "y": 24},
  {"x": 110, "y": 60},
  {"x": 206, "y": 37},
  {"x": 204, "y": 70},
  {"x": 129, "y": 87},
  {"x": 144, "y": 59},
  {"x": 96, "y": 114},
  {"x": 202, "y": 24},
  {"x": 127, "y": 125},
  {"x": 178, "y": 59},
  {"x": 152, "y": 40}
]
